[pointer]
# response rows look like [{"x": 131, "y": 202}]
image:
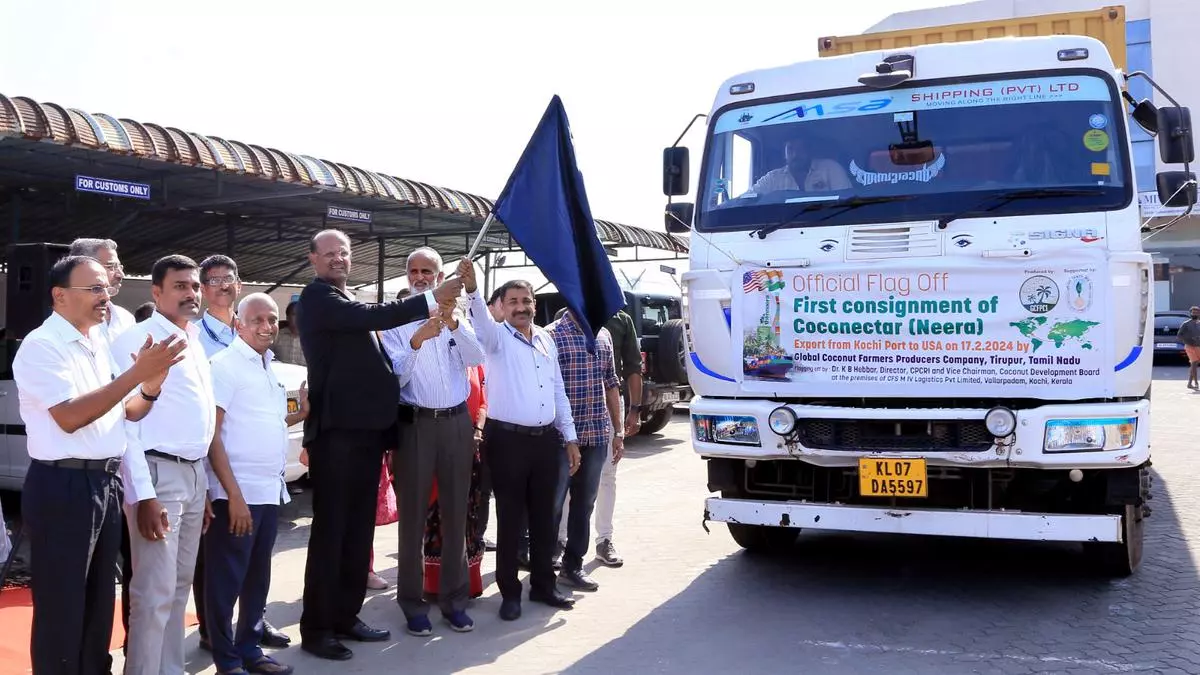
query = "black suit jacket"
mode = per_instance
[{"x": 350, "y": 381}]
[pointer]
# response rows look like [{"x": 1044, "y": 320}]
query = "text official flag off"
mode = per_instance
[{"x": 545, "y": 209}]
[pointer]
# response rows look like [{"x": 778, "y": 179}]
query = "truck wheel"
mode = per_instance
[
  {"x": 1121, "y": 560},
  {"x": 656, "y": 421},
  {"x": 672, "y": 353},
  {"x": 763, "y": 538}
]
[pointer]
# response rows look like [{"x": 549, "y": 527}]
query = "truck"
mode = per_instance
[{"x": 917, "y": 300}]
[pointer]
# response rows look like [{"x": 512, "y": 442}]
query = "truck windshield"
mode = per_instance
[{"x": 919, "y": 153}]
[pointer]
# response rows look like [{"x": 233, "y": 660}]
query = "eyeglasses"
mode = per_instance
[
  {"x": 114, "y": 267},
  {"x": 96, "y": 290},
  {"x": 221, "y": 281}
]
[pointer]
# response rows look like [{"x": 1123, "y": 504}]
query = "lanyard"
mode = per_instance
[{"x": 211, "y": 334}]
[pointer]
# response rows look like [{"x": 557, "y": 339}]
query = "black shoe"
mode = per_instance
[
  {"x": 577, "y": 579},
  {"x": 273, "y": 638},
  {"x": 555, "y": 599},
  {"x": 510, "y": 610},
  {"x": 327, "y": 648},
  {"x": 364, "y": 633}
]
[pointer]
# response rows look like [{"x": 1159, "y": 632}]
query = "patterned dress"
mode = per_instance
[{"x": 433, "y": 521}]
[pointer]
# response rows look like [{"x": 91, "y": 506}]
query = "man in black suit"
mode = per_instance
[{"x": 353, "y": 396}]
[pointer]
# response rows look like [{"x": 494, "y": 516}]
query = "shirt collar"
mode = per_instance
[
  {"x": 217, "y": 325},
  {"x": 165, "y": 324},
  {"x": 64, "y": 330},
  {"x": 246, "y": 351}
]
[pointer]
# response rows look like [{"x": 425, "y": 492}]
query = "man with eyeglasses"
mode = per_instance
[
  {"x": 105, "y": 252},
  {"x": 221, "y": 287},
  {"x": 74, "y": 409}
]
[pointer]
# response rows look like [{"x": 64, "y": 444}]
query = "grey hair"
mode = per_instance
[
  {"x": 428, "y": 253},
  {"x": 254, "y": 298},
  {"x": 90, "y": 247}
]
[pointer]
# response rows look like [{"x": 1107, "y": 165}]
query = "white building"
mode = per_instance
[{"x": 1159, "y": 37}]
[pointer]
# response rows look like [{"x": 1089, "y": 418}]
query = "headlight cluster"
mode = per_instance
[{"x": 1114, "y": 433}]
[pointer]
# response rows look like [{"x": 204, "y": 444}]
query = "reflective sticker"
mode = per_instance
[
  {"x": 1100, "y": 168},
  {"x": 1095, "y": 140},
  {"x": 1098, "y": 121}
]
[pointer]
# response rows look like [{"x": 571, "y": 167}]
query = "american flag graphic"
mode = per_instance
[{"x": 753, "y": 281}]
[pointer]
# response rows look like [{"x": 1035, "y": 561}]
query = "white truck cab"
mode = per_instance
[{"x": 917, "y": 300}]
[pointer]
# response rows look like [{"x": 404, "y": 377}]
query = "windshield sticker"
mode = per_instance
[
  {"x": 923, "y": 175},
  {"x": 1101, "y": 169},
  {"x": 1095, "y": 140},
  {"x": 1004, "y": 92},
  {"x": 1098, "y": 121}
]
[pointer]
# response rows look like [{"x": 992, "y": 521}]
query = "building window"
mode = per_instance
[{"x": 1137, "y": 39}]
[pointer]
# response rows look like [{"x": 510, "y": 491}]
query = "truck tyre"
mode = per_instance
[
  {"x": 764, "y": 539},
  {"x": 672, "y": 353},
  {"x": 1123, "y": 559},
  {"x": 656, "y": 421}
]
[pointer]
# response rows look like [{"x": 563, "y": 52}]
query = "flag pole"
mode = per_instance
[{"x": 479, "y": 237}]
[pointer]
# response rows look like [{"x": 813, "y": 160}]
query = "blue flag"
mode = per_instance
[{"x": 545, "y": 209}]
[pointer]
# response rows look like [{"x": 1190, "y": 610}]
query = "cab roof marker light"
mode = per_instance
[
  {"x": 741, "y": 88},
  {"x": 1077, "y": 54}
]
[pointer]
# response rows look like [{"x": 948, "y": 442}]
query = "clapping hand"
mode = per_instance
[{"x": 154, "y": 360}]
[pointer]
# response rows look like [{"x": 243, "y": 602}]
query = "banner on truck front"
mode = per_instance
[{"x": 946, "y": 327}]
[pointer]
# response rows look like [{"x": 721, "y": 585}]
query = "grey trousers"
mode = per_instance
[
  {"x": 429, "y": 448},
  {"x": 162, "y": 570}
]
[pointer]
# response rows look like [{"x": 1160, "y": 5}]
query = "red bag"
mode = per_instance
[{"x": 385, "y": 506}]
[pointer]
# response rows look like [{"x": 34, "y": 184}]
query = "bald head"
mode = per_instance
[
  {"x": 329, "y": 253},
  {"x": 258, "y": 321}
]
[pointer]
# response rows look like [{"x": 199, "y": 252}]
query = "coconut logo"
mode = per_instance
[{"x": 1039, "y": 294}]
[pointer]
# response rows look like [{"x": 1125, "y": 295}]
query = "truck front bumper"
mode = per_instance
[{"x": 890, "y": 520}]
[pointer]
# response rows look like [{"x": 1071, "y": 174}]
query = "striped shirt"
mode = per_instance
[
  {"x": 586, "y": 378},
  {"x": 435, "y": 376}
]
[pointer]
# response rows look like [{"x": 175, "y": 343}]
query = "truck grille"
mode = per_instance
[
  {"x": 876, "y": 242},
  {"x": 895, "y": 435}
]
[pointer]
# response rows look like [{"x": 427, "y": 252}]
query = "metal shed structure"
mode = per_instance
[{"x": 66, "y": 173}]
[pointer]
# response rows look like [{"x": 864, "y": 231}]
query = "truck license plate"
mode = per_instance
[
  {"x": 670, "y": 397},
  {"x": 892, "y": 477}
]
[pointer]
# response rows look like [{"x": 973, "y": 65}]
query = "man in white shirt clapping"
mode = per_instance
[
  {"x": 74, "y": 411},
  {"x": 246, "y": 463}
]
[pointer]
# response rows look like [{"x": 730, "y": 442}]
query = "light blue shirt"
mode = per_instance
[{"x": 214, "y": 335}]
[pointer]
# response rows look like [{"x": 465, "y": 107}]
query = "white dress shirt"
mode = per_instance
[
  {"x": 254, "y": 431},
  {"x": 435, "y": 376},
  {"x": 524, "y": 382},
  {"x": 57, "y": 363},
  {"x": 183, "y": 419},
  {"x": 214, "y": 335},
  {"x": 119, "y": 321}
]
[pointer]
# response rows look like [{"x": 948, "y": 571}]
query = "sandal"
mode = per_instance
[{"x": 268, "y": 665}]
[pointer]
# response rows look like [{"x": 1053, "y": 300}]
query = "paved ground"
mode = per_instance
[{"x": 691, "y": 602}]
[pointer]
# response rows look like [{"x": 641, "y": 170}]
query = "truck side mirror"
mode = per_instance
[
  {"x": 1176, "y": 188},
  {"x": 679, "y": 217},
  {"x": 1175, "y": 135},
  {"x": 675, "y": 171}
]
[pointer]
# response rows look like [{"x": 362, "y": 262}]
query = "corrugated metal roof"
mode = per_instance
[{"x": 22, "y": 117}]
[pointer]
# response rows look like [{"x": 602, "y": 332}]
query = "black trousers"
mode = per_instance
[
  {"x": 73, "y": 519},
  {"x": 125, "y": 574},
  {"x": 198, "y": 592},
  {"x": 525, "y": 482},
  {"x": 344, "y": 467}
]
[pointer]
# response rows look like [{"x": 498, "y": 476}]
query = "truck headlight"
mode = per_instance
[
  {"x": 782, "y": 420},
  {"x": 1114, "y": 433},
  {"x": 1000, "y": 422}
]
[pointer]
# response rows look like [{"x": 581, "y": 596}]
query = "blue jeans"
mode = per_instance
[
  {"x": 238, "y": 571},
  {"x": 583, "y": 487}
]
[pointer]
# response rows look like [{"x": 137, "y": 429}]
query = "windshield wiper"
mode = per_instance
[
  {"x": 842, "y": 205},
  {"x": 1012, "y": 196}
]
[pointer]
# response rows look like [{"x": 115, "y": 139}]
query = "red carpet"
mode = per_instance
[{"x": 16, "y": 616}]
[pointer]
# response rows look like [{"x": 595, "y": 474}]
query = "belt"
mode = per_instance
[
  {"x": 173, "y": 458},
  {"x": 520, "y": 428},
  {"x": 110, "y": 465},
  {"x": 436, "y": 413}
]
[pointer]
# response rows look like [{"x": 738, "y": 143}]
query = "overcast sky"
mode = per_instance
[{"x": 449, "y": 100}]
